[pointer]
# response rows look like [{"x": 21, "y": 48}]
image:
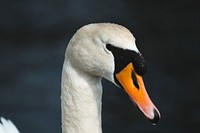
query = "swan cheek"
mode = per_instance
[{"x": 134, "y": 86}]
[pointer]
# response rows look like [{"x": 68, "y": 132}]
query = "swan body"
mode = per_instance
[
  {"x": 6, "y": 126},
  {"x": 96, "y": 51}
]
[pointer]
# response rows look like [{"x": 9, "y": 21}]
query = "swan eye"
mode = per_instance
[{"x": 108, "y": 46}]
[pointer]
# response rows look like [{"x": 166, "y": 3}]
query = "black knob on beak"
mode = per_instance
[{"x": 139, "y": 64}]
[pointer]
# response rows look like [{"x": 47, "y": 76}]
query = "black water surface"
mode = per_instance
[{"x": 33, "y": 38}]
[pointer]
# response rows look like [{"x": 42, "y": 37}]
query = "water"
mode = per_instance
[{"x": 33, "y": 41}]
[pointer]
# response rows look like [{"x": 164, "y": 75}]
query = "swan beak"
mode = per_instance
[{"x": 133, "y": 84}]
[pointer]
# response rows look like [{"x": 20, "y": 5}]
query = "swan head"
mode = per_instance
[{"x": 109, "y": 51}]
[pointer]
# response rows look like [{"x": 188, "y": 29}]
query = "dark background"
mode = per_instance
[{"x": 33, "y": 38}]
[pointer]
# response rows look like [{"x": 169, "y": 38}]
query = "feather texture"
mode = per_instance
[{"x": 6, "y": 126}]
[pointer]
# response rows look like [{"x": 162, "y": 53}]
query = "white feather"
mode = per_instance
[{"x": 6, "y": 126}]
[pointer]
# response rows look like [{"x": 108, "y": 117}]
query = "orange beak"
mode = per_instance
[{"x": 133, "y": 84}]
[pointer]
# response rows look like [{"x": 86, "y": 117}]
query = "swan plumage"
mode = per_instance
[
  {"x": 101, "y": 50},
  {"x": 7, "y": 126},
  {"x": 96, "y": 51}
]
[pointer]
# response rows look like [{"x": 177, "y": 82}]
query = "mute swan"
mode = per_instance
[
  {"x": 96, "y": 51},
  {"x": 6, "y": 126}
]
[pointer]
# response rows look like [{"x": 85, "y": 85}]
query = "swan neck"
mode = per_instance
[{"x": 81, "y": 95}]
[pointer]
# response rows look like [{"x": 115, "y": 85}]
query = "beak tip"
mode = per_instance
[{"x": 156, "y": 117}]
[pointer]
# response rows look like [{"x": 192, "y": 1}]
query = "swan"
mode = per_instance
[
  {"x": 96, "y": 51},
  {"x": 6, "y": 126}
]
